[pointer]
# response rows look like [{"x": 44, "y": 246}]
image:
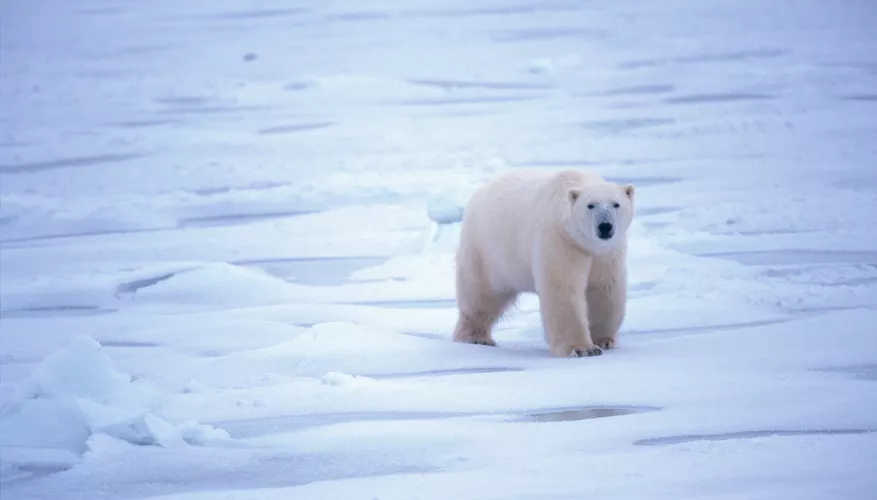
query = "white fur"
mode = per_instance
[{"x": 532, "y": 231}]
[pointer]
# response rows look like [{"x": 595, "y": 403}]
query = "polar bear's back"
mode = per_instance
[
  {"x": 506, "y": 217},
  {"x": 522, "y": 194}
]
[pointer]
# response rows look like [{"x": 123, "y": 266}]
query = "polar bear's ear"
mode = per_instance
[
  {"x": 629, "y": 190},
  {"x": 573, "y": 194}
]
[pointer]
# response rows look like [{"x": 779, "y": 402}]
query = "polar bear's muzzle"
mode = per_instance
[
  {"x": 605, "y": 230},
  {"x": 605, "y": 222}
]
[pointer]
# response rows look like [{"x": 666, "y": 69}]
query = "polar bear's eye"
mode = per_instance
[
  {"x": 590, "y": 206},
  {"x": 616, "y": 205}
]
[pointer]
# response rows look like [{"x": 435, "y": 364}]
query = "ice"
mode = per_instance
[
  {"x": 75, "y": 393},
  {"x": 80, "y": 371},
  {"x": 227, "y": 239}
]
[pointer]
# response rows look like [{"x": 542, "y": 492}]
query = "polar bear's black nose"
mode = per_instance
[{"x": 605, "y": 230}]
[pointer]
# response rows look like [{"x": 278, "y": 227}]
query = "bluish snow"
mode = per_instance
[{"x": 227, "y": 233}]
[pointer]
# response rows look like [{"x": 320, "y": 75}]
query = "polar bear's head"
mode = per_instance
[{"x": 600, "y": 215}]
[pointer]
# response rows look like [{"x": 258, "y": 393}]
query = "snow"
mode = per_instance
[
  {"x": 75, "y": 393},
  {"x": 227, "y": 238}
]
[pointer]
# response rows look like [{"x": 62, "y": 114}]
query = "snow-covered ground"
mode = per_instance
[{"x": 219, "y": 278}]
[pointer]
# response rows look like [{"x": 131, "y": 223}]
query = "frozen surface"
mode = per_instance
[{"x": 227, "y": 233}]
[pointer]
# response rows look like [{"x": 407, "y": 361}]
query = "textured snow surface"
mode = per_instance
[{"x": 227, "y": 238}]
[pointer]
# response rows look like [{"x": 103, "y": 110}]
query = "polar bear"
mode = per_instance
[{"x": 561, "y": 235}]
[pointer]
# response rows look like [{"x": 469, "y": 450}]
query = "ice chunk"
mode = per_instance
[
  {"x": 74, "y": 394},
  {"x": 80, "y": 370}
]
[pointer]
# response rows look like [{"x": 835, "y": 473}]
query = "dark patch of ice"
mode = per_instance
[
  {"x": 31, "y": 471},
  {"x": 734, "y": 56},
  {"x": 260, "y": 13},
  {"x": 237, "y": 219},
  {"x": 863, "y": 371},
  {"x": 292, "y": 128},
  {"x": 10, "y": 359},
  {"x": 625, "y": 125},
  {"x": 98, "y": 11},
  {"x": 789, "y": 257},
  {"x": 689, "y": 438},
  {"x": 359, "y": 16},
  {"x": 475, "y": 84},
  {"x": 182, "y": 105},
  {"x": 183, "y": 100},
  {"x": 861, "y": 97},
  {"x": 142, "y": 49},
  {"x": 79, "y": 161},
  {"x": 706, "y": 58},
  {"x": 227, "y": 189},
  {"x": 210, "y": 110},
  {"x": 825, "y": 309},
  {"x": 584, "y": 413},
  {"x": 526, "y": 8},
  {"x": 156, "y": 122},
  {"x": 466, "y": 100},
  {"x": 536, "y": 34},
  {"x": 647, "y": 211},
  {"x": 645, "y": 286},
  {"x": 134, "y": 286},
  {"x": 638, "y": 90},
  {"x": 296, "y": 86},
  {"x": 127, "y": 343},
  {"x": 760, "y": 232},
  {"x": 213, "y": 353},
  {"x": 54, "y": 311},
  {"x": 29, "y": 241},
  {"x": 717, "y": 98}
]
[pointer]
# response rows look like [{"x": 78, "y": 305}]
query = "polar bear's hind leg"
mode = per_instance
[{"x": 480, "y": 306}]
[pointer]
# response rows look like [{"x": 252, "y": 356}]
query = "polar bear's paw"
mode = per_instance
[
  {"x": 605, "y": 344},
  {"x": 584, "y": 351},
  {"x": 488, "y": 342},
  {"x": 477, "y": 340}
]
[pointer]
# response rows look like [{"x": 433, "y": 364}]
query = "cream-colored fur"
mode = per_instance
[{"x": 533, "y": 231}]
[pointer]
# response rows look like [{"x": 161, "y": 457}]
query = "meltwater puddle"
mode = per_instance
[{"x": 585, "y": 413}]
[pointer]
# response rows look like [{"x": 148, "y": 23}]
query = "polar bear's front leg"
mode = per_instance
[
  {"x": 607, "y": 299},
  {"x": 564, "y": 309},
  {"x": 607, "y": 304}
]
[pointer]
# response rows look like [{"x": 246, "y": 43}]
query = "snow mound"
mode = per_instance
[
  {"x": 445, "y": 213},
  {"x": 219, "y": 283},
  {"x": 75, "y": 393}
]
